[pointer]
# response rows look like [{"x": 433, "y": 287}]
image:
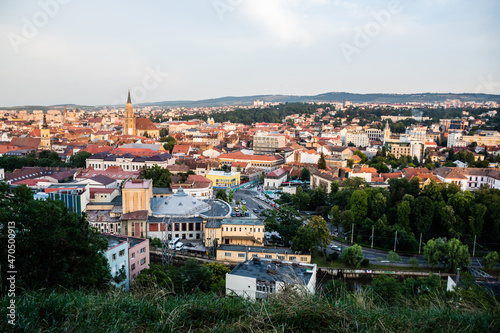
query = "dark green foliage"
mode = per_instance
[
  {"x": 53, "y": 246},
  {"x": 305, "y": 175},
  {"x": 322, "y": 162},
  {"x": 78, "y": 159},
  {"x": 221, "y": 194},
  {"x": 159, "y": 175}
]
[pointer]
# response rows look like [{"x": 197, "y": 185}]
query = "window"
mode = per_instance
[
  {"x": 143, "y": 250},
  {"x": 143, "y": 261},
  {"x": 133, "y": 255},
  {"x": 240, "y": 229},
  {"x": 227, "y": 254},
  {"x": 292, "y": 258},
  {"x": 303, "y": 258},
  {"x": 241, "y": 255},
  {"x": 281, "y": 257},
  {"x": 255, "y": 255},
  {"x": 132, "y": 267},
  {"x": 268, "y": 256},
  {"x": 250, "y": 229},
  {"x": 121, "y": 253}
]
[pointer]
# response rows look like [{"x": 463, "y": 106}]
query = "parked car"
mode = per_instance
[
  {"x": 255, "y": 210},
  {"x": 260, "y": 206},
  {"x": 238, "y": 214},
  {"x": 233, "y": 214},
  {"x": 179, "y": 246},
  {"x": 188, "y": 244},
  {"x": 243, "y": 202},
  {"x": 247, "y": 214}
]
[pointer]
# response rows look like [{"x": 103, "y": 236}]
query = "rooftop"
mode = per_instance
[{"x": 269, "y": 270}]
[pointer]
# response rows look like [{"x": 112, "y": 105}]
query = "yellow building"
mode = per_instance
[
  {"x": 136, "y": 195},
  {"x": 244, "y": 231},
  {"x": 224, "y": 179},
  {"x": 238, "y": 253}
]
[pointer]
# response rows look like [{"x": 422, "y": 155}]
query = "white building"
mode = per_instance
[
  {"x": 273, "y": 180},
  {"x": 257, "y": 278},
  {"x": 128, "y": 162},
  {"x": 358, "y": 138}
]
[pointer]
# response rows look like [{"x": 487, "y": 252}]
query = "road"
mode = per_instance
[{"x": 373, "y": 255}]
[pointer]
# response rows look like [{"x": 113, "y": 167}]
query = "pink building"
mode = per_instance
[{"x": 138, "y": 254}]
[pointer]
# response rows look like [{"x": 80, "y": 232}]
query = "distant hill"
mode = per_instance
[
  {"x": 326, "y": 97},
  {"x": 329, "y": 97}
]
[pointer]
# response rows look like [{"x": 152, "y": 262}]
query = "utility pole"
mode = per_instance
[
  {"x": 395, "y": 240},
  {"x": 352, "y": 233},
  {"x": 420, "y": 245},
  {"x": 373, "y": 229},
  {"x": 474, "y": 248}
]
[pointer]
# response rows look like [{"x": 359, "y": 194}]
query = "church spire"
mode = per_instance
[
  {"x": 129, "y": 100},
  {"x": 44, "y": 124}
]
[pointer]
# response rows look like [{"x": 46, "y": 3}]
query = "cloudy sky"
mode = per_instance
[{"x": 89, "y": 52}]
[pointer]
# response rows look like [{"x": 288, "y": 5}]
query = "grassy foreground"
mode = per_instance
[{"x": 154, "y": 311}]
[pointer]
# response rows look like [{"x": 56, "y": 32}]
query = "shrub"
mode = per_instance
[
  {"x": 365, "y": 262},
  {"x": 490, "y": 260},
  {"x": 332, "y": 256},
  {"x": 413, "y": 262}
]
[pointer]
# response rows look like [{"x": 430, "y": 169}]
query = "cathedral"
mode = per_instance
[{"x": 138, "y": 126}]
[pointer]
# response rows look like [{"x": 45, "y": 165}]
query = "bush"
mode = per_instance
[
  {"x": 359, "y": 238},
  {"x": 365, "y": 262},
  {"x": 490, "y": 260},
  {"x": 413, "y": 262},
  {"x": 353, "y": 255},
  {"x": 393, "y": 257},
  {"x": 332, "y": 256}
]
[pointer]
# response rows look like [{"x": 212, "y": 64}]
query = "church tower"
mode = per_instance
[
  {"x": 65, "y": 115},
  {"x": 45, "y": 135},
  {"x": 387, "y": 132},
  {"x": 129, "y": 122}
]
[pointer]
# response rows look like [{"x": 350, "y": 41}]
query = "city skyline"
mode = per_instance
[{"x": 89, "y": 53}]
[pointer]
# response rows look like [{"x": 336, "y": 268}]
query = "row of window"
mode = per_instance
[
  {"x": 245, "y": 229},
  {"x": 267, "y": 256}
]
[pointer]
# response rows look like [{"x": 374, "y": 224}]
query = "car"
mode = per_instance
[
  {"x": 188, "y": 244},
  {"x": 260, "y": 206},
  {"x": 236, "y": 209},
  {"x": 238, "y": 214},
  {"x": 247, "y": 214},
  {"x": 233, "y": 214},
  {"x": 243, "y": 202},
  {"x": 179, "y": 246},
  {"x": 255, "y": 210},
  {"x": 335, "y": 248}
]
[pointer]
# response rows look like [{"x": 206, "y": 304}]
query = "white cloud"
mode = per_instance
[{"x": 278, "y": 19}]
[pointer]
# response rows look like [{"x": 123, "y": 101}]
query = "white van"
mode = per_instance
[
  {"x": 179, "y": 246},
  {"x": 172, "y": 243}
]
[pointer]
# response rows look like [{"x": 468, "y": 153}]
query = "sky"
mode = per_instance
[{"x": 90, "y": 52}]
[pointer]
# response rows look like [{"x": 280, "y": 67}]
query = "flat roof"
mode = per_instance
[
  {"x": 243, "y": 221},
  {"x": 222, "y": 173},
  {"x": 268, "y": 270}
]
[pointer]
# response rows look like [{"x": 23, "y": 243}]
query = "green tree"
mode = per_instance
[
  {"x": 221, "y": 194},
  {"x": 378, "y": 206},
  {"x": 435, "y": 251},
  {"x": 335, "y": 216},
  {"x": 422, "y": 214},
  {"x": 404, "y": 211},
  {"x": 347, "y": 219},
  {"x": 305, "y": 175},
  {"x": 301, "y": 199},
  {"x": 457, "y": 255},
  {"x": 322, "y": 162},
  {"x": 78, "y": 160},
  {"x": 160, "y": 176},
  {"x": 393, "y": 257},
  {"x": 53, "y": 246},
  {"x": 169, "y": 144},
  {"x": 353, "y": 255},
  {"x": 490, "y": 261},
  {"x": 359, "y": 205},
  {"x": 286, "y": 221},
  {"x": 195, "y": 276}
]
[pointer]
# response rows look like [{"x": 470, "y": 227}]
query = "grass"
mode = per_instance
[{"x": 152, "y": 311}]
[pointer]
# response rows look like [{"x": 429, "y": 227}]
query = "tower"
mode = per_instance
[
  {"x": 45, "y": 135},
  {"x": 65, "y": 115},
  {"x": 129, "y": 122},
  {"x": 387, "y": 132}
]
